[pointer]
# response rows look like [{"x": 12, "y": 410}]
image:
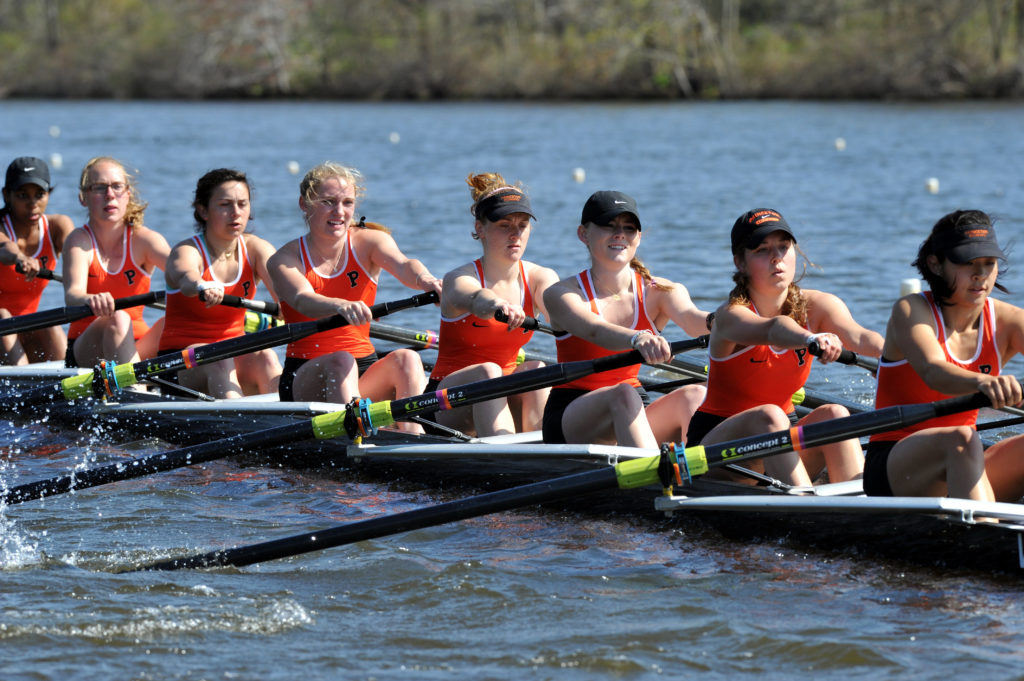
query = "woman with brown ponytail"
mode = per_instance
[
  {"x": 473, "y": 345},
  {"x": 759, "y": 352},
  {"x": 614, "y": 306}
]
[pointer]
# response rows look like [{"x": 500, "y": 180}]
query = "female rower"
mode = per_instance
[
  {"x": 30, "y": 241},
  {"x": 221, "y": 259},
  {"x": 112, "y": 256},
  {"x": 473, "y": 345},
  {"x": 333, "y": 269},
  {"x": 927, "y": 335},
  {"x": 612, "y": 307},
  {"x": 759, "y": 352}
]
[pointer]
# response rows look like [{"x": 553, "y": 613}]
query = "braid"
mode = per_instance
[{"x": 645, "y": 274}]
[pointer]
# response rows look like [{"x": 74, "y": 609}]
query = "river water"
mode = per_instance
[{"x": 534, "y": 594}]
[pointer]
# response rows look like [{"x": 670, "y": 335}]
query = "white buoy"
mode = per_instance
[
  {"x": 394, "y": 138},
  {"x": 840, "y": 144},
  {"x": 908, "y": 286},
  {"x": 293, "y": 167},
  {"x": 579, "y": 175},
  {"x": 932, "y": 185},
  {"x": 56, "y": 161},
  {"x": 54, "y": 131}
]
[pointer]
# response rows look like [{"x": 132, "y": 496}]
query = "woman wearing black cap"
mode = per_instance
[
  {"x": 474, "y": 346},
  {"x": 333, "y": 269},
  {"x": 615, "y": 306},
  {"x": 951, "y": 340},
  {"x": 759, "y": 352},
  {"x": 30, "y": 241}
]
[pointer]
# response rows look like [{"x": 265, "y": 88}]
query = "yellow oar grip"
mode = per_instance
[
  {"x": 380, "y": 413},
  {"x": 799, "y": 396},
  {"x": 125, "y": 375},
  {"x": 77, "y": 386},
  {"x": 327, "y": 426},
  {"x": 638, "y": 472},
  {"x": 696, "y": 460}
]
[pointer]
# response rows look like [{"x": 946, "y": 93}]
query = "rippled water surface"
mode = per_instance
[{"x": 552, "y": 593}]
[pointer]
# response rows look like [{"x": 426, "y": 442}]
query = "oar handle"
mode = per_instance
[
  {"x": 64, "y": 315},
  {"x": 530, "y": 324},
  {"x": 846, "y": 357},
  {"x": 43, "y": 273},
  {"x": 269, "y": 307}
]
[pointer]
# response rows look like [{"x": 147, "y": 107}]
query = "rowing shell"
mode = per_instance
[{"x": 940, "y": 531}]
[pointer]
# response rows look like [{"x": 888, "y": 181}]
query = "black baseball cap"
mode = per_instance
[
  {"x": 28, "y": 170},
  {"x": 752, "y": 227},
  {"x": 505, "y": 201},
  {"x": 602, "y": 207},
  {"x": 963, "y": 243}
]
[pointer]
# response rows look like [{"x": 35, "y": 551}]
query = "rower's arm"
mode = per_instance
[
  {"x": 675, "y": 304},
  {"x": 385, "y": 254},
  {"x": 829, "y": 313},
  {"x": 77, "y": 256}
]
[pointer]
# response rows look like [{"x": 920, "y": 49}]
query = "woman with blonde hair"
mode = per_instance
[
  {"x": 473, "y": 345},
  {"x": 333, "y": 269},
  {"x": 112, "y": 256},
  {"x": 614, "y": 306}
]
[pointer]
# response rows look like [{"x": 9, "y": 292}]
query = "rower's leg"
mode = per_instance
[
  {"x": 108, "y": 338},
  {"x": 45, "y": 344},
  {"x": 767, "y": 418},
  {"x": 333, "y": 378},
  {"x": 1004, "y": 465},
  {"x": 528, "y": 408},
  {"x": 844, "y": 460},
  {"x": 258, "y": 372},
  {"x": 491, "y": 417},
  {"x": 670, "y": 414},
  {"x": 398, "y": 375},
  {"x": 939, "y": 462},
  {"x": 11, "y": 352},
  {"x": 610, "y": 415}
]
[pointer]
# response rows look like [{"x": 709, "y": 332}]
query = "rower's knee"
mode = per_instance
[
  {"x": 624, "y": 399},
  {"x": 768, "y": 418},
  {"x": 408, "y": 362}
]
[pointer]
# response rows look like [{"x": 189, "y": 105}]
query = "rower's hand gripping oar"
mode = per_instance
[
  {"x": 361, "y": 418},
  {"x": 269, "y": 307},
  {"x": 106, "y": 379},
  {"x": 530, "y": 324},
  {"x": 65, "y": 315},
  {"x": 665, "y": 469}
]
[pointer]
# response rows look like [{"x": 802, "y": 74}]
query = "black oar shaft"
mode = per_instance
[
  {"x": 156, "y": 463},
  {"x": 271, "y": 308},
  {"x": 64, "y": 315},
  {"x": 493, "y": 502}
]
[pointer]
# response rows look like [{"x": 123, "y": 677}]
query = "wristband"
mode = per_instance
[
  {"x": 207, "y": 285},
  {"x": 636, "y": 337}
]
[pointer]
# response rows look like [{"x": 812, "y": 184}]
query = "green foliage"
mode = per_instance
[{"x": 424, "y": 49}]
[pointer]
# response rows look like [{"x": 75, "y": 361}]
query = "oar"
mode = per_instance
[
  {"x": 270, "y": 307},
  {"x": 64, "y": 315},
  {"x": 366, "y": 417},
  {"x": 666, "y": 469},
  {"x": 106, "y": 379},
  {"x": 871, "y": 364}
]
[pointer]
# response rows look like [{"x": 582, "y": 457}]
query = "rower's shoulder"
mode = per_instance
[
  {"x": 287, "y": 255},
  {"x": 60, "y": 224},
  {"x": 257, "y": 243},
  {"x": 539, "y": 274}
]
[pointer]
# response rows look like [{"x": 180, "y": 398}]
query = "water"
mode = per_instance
[{"x": 536, "y": 594}]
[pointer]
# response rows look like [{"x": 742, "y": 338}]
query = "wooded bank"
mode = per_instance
[{"x": 513, "y": 49}]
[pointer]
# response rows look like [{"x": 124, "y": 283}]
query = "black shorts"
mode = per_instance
[
  {"x": 876, "y": 469},
  {"x": 69, "y": 357},
  {"x": 286, "y": 387},
  {"x": 702, "y": 423},
  {"x": 558, "y": 401}
]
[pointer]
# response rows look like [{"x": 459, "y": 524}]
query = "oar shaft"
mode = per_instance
[
  {"x": 493, "y": 502},
  {"x": 156, "y": 463},
  {"x": 271, "y": 308},
  {"x": 64, "y": 315}
]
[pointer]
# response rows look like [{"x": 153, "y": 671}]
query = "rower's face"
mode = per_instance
[
  {"x": 332, "y": 208},
  {"x": 107, "y": 194},
  {"x": 27, "y": 203},
  {"x": 972, "y": 281},
  {"x": 617, "y": 241},
  {"x": 227, "y": 214},
  {"x": 772, "y": 263},
  {"x": 507, "y": 235}
]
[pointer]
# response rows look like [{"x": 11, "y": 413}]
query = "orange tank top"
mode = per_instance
[
  {"x": 467, "y": 340},
  {"x": 572, "y": 348},
  {"x": 127, "y": 280},
  {"x": 753, "y": 376},
  {"x": 18, "y": 294},
  {"x": 352, "y": 281},
  {"x": 189, "y": 321},
  {"x": 898, "y": 383}
]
